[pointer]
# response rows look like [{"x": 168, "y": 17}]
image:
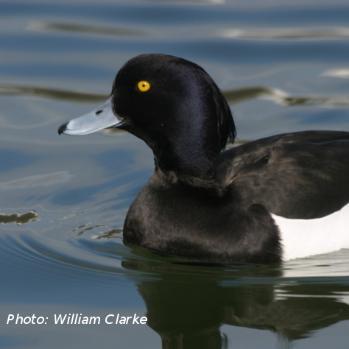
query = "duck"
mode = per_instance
[{"x": 269, "y": 200}]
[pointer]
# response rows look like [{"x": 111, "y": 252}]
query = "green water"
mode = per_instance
[{"x": 284, "y": 66}]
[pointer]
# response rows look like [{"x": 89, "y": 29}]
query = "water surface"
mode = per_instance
[{"x": 283, "y": 66}]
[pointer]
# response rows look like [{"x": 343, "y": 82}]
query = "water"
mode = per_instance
[{"x": 283, "y": 66}]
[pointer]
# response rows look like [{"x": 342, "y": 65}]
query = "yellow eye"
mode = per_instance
[{"x": 143, "y": 86}]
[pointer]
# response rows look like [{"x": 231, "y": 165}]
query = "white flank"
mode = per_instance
[{"x": 306, "y": 237}]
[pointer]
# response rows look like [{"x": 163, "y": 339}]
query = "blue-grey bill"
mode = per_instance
[{"x": 98, "y": 119}]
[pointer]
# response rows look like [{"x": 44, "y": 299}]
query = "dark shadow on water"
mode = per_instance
[
  {"x": 187, "y": 305},
  {"x": 18, "y": 218}
]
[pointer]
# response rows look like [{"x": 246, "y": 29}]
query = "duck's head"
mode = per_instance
[{"x": 170, "y": 103}]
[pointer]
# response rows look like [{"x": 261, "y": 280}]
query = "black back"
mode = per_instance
[{"x": 294, "y": 175}]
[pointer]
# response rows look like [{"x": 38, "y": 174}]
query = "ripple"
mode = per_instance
[
  {"x": 106, "y": 254},
  {"x": 333, "y": 33},
  {"x": 82, "y": 229},
  {"x": 37, "y": 181},
  {"x": 71, "y": 254},
  {"x": 46, "y": 92},
  {"x": 108, "y": 234},
  {"x": 342, "y": 73},
  {"x": 83, "y": 28},
  {"x": 281, "y": 97}
]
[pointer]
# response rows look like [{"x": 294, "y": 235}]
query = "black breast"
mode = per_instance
[{"x": 201, "y": 224}]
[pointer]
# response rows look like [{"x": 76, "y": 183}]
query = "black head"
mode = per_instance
[
  {"x": 176, "y": 108},
  {"x": 173, "y": 105}
]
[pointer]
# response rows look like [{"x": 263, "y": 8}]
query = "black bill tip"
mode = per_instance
[{"x": 62, "y": 128}]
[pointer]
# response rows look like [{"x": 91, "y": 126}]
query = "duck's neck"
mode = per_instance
[{"x": 186, "y": 161}]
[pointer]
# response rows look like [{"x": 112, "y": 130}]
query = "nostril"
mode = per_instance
[
  {"x": 62, "y": 128},
  {"x": 98, "y": 111}
]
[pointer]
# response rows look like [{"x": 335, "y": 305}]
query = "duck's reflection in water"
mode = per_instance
[{"x": 187, "y": 305}]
